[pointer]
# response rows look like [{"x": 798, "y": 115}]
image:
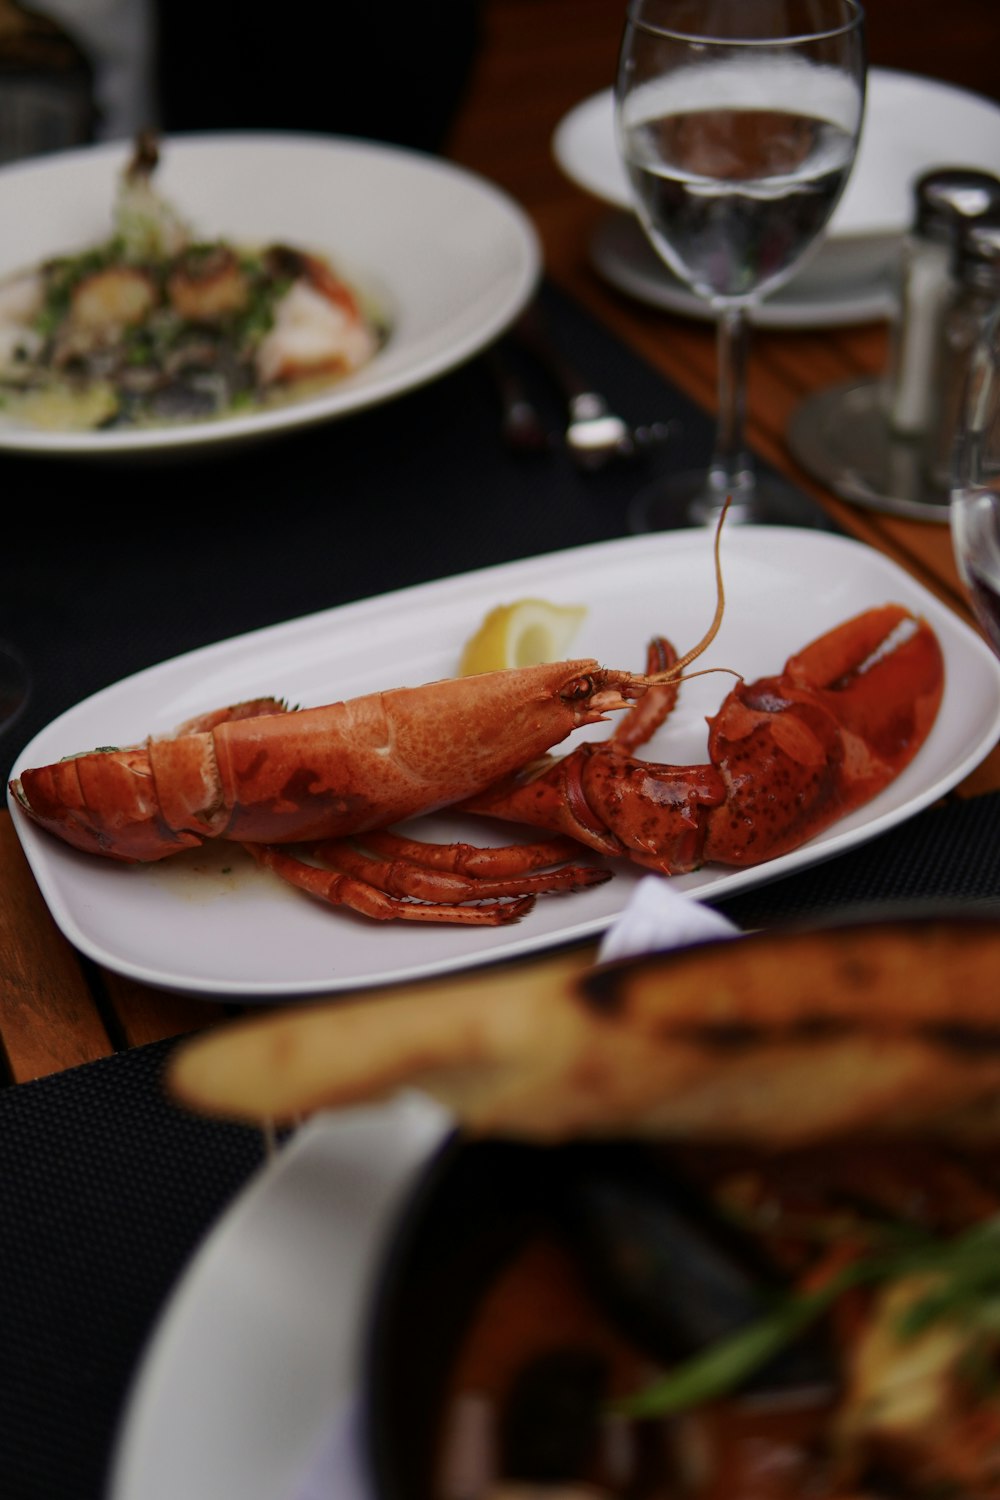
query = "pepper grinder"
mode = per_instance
[
  {"x": 975, "y": 294},
  {"x": 946, "y": 199}
]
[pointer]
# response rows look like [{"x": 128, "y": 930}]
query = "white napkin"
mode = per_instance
[
  {"x": 657, "y": 916},
  {"x": 660, "y": 916}
]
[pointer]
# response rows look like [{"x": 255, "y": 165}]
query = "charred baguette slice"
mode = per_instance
[{"x": 776, "y": 1039}]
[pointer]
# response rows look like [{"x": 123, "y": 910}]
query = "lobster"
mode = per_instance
[{"x": 788, "y": 756}]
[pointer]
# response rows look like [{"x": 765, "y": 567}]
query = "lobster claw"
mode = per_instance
[
  {"x": 803, "y": 749},
  {"x": 888, "y": 693},
  {"x": 788, "y": 756}
]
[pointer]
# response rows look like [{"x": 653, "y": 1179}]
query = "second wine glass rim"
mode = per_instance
[{"x": 854, "y": 15}]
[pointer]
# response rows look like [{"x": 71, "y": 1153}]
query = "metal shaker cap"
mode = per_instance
[
  {"x": 977, "y": 253},
  {"x": 946, "y": 197}
]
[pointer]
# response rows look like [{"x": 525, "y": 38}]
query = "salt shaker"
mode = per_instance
[
  {"x": 974, "y": 296},
  {"x": 945, "y": 199}
]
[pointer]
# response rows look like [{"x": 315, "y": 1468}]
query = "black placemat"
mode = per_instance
[
  {"x": 107, "y": 1190},
  {"x": 111, "y": 567},
  {"x": 949, "y": 853}
]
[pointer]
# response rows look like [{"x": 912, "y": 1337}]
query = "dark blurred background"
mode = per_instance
[
  {"x": 400, "y": 71},
  {"x": 391, "y": 72}
]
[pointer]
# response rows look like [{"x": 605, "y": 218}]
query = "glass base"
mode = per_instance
[
  {"x": 14, "y": 685},
  {"x": 689, "y": 500},
  {"x": 841, "y": 436}
]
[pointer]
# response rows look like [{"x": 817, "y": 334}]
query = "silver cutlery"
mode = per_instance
[
  {"x": 595, "y": 434},
  {"x": 521, "y": 425}
]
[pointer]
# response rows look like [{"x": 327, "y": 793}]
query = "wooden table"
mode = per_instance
[{"x": 540, "y": 57}]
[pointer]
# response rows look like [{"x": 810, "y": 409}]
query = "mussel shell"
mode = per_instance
[
  {"x": 664, "y": 1265},
  {"x": 551, "y": 1423}
]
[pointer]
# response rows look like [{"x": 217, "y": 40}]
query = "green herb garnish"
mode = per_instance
[{"x": 965, "y": 1289}]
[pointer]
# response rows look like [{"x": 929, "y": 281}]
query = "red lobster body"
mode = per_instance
[
  {"x": 258, "y": 774},
  {"x": 788, "y": 756}
]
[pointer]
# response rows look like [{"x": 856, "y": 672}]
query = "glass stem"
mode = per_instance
[{"x": 730, "y": 472}]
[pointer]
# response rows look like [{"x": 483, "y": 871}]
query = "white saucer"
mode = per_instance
[
  {"x": 911, "y": 125},
  {"x": 814, "y": 299}
]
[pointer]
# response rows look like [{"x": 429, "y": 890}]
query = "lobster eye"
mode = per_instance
[{"x": 580, "y": 687}]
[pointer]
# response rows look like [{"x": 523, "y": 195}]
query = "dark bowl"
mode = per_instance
[
  {"x": 473, "y": 1209},
  {"x": 504, "y": 1279},
  {"x": 529, "y": 1242}
]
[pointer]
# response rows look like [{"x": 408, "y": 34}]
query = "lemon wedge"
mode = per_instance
[{"x": 521, "y": 634}]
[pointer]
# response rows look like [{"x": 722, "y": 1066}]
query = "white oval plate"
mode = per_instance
[
  {"x": 450, "y": 257},
  {"x": 214, "y": 924}
]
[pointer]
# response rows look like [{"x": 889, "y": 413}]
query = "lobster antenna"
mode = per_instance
[{"x": 673, "y": 673}]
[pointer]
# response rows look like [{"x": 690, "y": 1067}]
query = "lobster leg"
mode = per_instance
[
  {"x": 358, "y": 895},
  {"x": 411, "y": 877},
  {"x": 473, "y": 859},
  {"x": 640, "y": 722},
  {"x": 409, "y": 887}
]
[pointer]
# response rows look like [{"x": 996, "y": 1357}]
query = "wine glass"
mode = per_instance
[
  {"x": 975, "y": 489},
  {"x": 737, "y": 122}
]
